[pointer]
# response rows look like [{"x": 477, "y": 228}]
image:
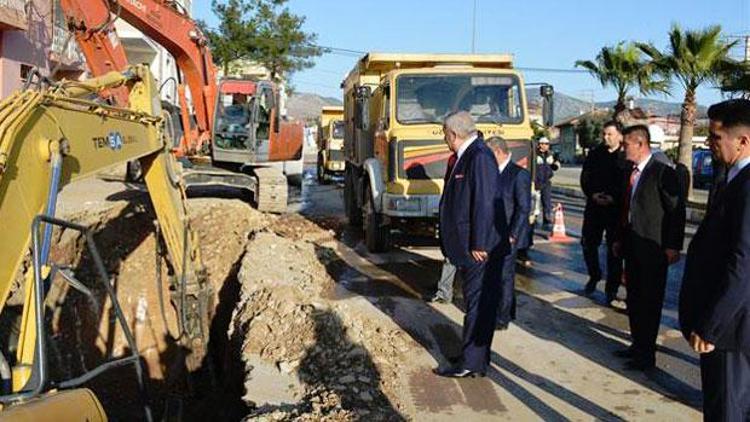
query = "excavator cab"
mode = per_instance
[{"x": 249, "y": 129}]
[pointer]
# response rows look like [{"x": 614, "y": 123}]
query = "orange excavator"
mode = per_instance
[{"x": 238, "y": 130}]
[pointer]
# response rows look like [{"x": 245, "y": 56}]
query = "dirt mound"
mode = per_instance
[{"x": 345, "y": 362}]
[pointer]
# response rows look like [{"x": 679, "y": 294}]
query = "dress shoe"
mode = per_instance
[
  {"x": 624, "y": 353},
  {"x": 591, "y": 286},
  {"x": 456, "y": 372},
  {"x": 639, "y": 365},
  {"x": 436, "y": 299},
  {"x": 502, "y": 326},
  {"x": 523, "y": 259}
]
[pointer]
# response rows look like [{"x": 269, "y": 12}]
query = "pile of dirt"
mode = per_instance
[{"x": 346, "y": 362}]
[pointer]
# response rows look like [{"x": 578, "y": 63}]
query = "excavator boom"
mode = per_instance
[
  {"x": 54, "y": 136},
  {"x": 166, "y": 23}
]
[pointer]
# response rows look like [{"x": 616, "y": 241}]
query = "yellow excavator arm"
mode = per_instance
[{"x": 53, "y": 136}]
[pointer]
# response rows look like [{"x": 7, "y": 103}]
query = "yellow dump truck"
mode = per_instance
[
  {"x": 394, "y": 106},
  {"x": 330, "y": 143}
]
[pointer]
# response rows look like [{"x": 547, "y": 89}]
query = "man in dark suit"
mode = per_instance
[
  {"x": 715, "y": 295},
  {"x": 652, "y": 230},
  {"x": 473, "y": 239},
  {"x": 514, "y": 198},
  {"x": 601, "y": 179}
]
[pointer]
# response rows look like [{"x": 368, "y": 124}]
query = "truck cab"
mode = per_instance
[
  {"x": 330, "y": 162},
  {"x": 394, "y": 106}
]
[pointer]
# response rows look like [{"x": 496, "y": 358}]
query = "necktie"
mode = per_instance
[{"x": 625, "y": 217}]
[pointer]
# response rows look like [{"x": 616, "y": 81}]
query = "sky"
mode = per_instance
[{"x": 546, "y": 34}]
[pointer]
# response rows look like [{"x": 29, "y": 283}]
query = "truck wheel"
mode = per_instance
[
  {"x": 377, "y": 235},
  {"x": 321, "y": 171},
  {"x": 353, "y": 213}
]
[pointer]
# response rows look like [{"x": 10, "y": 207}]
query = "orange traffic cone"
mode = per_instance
[{"x": 558, "y": 228}]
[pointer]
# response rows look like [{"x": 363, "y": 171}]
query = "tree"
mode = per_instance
[
  {"x": 264, "y": 32},
  {"x": 281, "y": 45},
  {"x": 693, "y": 57},
  {"x": 540, "y": 131},
  {"x": 623, "y": 68},
  {"x": 589, "y": 131},
  {"x": 736, "y": 81},
  {"x": 233, "y": 39}
]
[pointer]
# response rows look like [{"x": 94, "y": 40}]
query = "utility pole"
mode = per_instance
[{"x": 474, "y": 29}]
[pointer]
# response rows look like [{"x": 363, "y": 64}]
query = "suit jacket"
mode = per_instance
[
  {"x": 715, "y": 294},
  {"x": 467, "y": 214},
  {"x": 657, "y": 209},
  {"x": 603, "y": 172},
  {"x": 514, "y": 199}
]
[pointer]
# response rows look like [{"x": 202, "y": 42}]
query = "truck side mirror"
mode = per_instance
[{"x": 547, "y": 93}]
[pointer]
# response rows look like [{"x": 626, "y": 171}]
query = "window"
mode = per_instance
[
  {"x": 429, "y": 98},
  {"x": 338, "y": 129},
  {"x": 25, "y": 72}
]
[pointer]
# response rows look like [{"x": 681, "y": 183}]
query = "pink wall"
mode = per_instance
[{"x": 29, "y": 47}]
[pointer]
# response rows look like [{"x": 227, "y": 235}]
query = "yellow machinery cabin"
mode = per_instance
[{"x": 330, "y": 161}]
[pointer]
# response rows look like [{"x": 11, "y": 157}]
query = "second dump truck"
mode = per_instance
[
  {"x": 394, "y": 107},
  {"x": 330, "y": 161}
]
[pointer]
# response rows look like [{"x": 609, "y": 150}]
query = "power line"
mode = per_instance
[
  {"x": 350, "y": 52},
  {"x": 318, "y": 84}
]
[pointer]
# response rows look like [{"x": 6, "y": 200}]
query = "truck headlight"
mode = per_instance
[{"x": 405, "y": 204}]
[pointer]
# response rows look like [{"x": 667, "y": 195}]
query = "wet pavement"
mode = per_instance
[{"x": 555, "y": 362}]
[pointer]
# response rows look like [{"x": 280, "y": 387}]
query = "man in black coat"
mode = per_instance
[
  {"x": 601, "y": 182},
  {"x": 474, "y": 239},
  {"x": 652, "y": 229},
  {"x": 514, "y": 198},
  {"x": 715, "y": 295}
]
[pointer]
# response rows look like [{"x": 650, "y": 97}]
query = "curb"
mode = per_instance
[{"x": 693, "y": 215}]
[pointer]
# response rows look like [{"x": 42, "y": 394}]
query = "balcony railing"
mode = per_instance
[{"x": 13, "y": 15}]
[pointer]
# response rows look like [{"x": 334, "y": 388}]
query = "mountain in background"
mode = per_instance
[
  {"x": 567, "y": 106},
  {"x": 306, "y": 106}
]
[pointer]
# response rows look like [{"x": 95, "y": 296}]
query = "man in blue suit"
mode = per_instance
[
  {"x": 715, "y": 295},
  {"x": 513, "y": 196},
  {"x": 474, "y": 239}
]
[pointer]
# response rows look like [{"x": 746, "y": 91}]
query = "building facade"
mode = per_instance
[
  {"x": 142, "y": 49},
  {"x": 33, "y": 36}
]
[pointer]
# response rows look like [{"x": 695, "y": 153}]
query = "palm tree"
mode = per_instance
[
  {"x": 693, "y": 57},
  {"x": 622, "y": 67}
]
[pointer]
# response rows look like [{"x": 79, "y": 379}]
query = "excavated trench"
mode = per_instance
[{"x": 282, "y": 345}]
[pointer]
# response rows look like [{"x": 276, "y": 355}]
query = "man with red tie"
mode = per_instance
[
  {"x": 474, "y": 237},
  {"x": 652, "y": 230}
]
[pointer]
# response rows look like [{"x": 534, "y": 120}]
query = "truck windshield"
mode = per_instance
[
  {"x": 338, "y": 129},
  {"x": 429, "y": 98}
]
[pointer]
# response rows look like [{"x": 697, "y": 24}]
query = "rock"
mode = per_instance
[
  {"x": 288, "y": 367},
  {"x": 365, "y": 396},
  {"x": 347, "y": 379}
]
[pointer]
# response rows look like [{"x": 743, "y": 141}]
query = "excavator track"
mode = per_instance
[{"x": 271, "y": 190}]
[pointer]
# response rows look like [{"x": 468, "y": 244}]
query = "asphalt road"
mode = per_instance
[{"x": 554, "y": 362}]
